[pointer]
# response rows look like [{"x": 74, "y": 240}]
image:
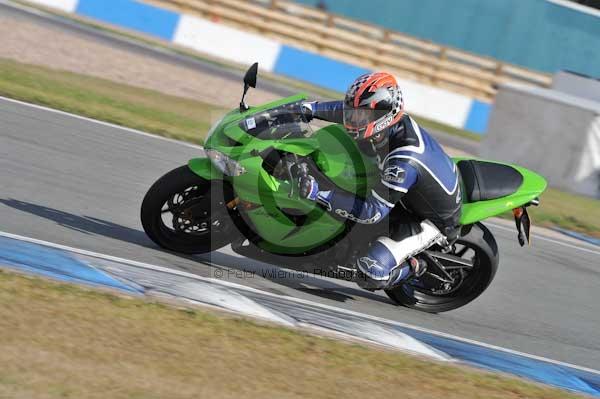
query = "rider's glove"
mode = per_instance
[
  {"x": 303, "y": 109},
  {"x": 307, "y": 111},
  {"x": 309, "y": 188}
]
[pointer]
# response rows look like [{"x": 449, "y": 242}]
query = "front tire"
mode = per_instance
[
  {"x": 484, "y": 252},
  {"x": 185, "y": 213}
]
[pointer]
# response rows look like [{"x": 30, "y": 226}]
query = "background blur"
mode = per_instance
[
  {"x": 538, "y": 34},
  {"x": 507, "y": 74}
]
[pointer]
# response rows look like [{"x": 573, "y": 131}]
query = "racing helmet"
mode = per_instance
[{"x": 373, "y": 104}]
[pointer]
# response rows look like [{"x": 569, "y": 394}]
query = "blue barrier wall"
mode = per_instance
[
  {"x": 536, "y": 34},
  {"x": 478, "y": 116},
  {"x": 317, "y": 69},
  {"x": 131, "y": 15}
]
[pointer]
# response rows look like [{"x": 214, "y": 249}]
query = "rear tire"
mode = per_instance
[
  {"x": 195, "y": 208},
  {"x": 483, "y": 244}
]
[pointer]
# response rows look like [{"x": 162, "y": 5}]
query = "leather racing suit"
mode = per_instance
[{"x": 417, "y": 175}]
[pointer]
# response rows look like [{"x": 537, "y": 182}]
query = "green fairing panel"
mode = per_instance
[
  {"x": 532, "y": 187},
  {"x": 274, "y": 226},
  {"x": 281, "y": 235},
  {"x": 277, "y": 229},
  {"x": 204, "y": 168},
  {"x": 340, "y": 159},
  {"x": 228, "y": 125},
  {"x": 331, "y": 148}
]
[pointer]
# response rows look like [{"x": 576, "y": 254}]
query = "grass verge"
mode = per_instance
[
  {"x": 61, "y": 340},
  {"x": 189, "y": 120},
  {"x": 108, "y": 101}
]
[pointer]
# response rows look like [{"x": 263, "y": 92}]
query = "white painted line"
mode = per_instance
[
  {"x": 389, "y": 337},
  {"x": 141, "y": 133},
  {"x": 222, "y": 297},
  {"x": 544, "y": 238},
  {"x": 291, "y": 299},
  {"x": 107, "y": 124},
  {"x": 439, "y": 356}
]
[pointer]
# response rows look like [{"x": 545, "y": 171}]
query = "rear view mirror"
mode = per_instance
[
  {"x": 249, "y": 81},
  {"x": 250, "y": 76}
]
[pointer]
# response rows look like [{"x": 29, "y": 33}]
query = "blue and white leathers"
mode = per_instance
[{"x": 415, "y": 173}]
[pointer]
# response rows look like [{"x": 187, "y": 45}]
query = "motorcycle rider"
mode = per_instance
[{"x": 415, "y": 172}]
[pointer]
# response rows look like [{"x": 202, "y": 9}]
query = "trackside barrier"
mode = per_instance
[
  {"x": 366, "y": 45},
  {"x": 226, "y": 42}
]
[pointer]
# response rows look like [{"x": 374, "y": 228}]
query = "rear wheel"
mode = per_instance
[
  {"x": 185, "y": 213},
  {"x": 452, "y": 279}
]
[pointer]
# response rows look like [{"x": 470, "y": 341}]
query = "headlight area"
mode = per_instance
[{"x": 225, "y": 164}]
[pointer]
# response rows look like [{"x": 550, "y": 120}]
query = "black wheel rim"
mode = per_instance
[
  {"x": 193, "y": 212},
  {"x": 429, "y": 290}
]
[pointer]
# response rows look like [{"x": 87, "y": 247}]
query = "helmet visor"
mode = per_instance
[{"x": 358, "y": 118}]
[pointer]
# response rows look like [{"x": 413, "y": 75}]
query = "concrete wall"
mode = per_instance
[
  {"x": 222, "y": 41},
  {"x": 550, "y": 132},
  {"x": 577, "y": 85},
  {"x": 546, "y": 35}
]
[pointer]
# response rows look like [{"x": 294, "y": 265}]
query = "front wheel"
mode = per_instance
[
  {"x": 429, "y": 293},
  {"x": 185, "y": 213}
]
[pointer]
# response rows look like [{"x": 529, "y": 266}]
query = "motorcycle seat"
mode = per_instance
[{"x": 487, "y": 180}]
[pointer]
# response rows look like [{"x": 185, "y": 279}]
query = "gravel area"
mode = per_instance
[{"x": 25, "y": 41}]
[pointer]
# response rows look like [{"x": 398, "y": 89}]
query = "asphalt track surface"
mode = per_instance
[{"x": 80, "y": 183}]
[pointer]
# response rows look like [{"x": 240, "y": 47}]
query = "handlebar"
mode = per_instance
[{"x": 295, "y": 169}]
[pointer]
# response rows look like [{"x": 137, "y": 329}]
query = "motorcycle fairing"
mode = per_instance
[{"x": 289, "y": 224}]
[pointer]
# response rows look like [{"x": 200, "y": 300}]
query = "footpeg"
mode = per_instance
[{"x": 418, "y": 266}]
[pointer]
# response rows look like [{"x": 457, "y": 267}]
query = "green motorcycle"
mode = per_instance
[{"x": 244, "y": 193}]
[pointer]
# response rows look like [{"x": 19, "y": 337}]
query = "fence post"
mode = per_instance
[
  {"x": 209, "y": 14},
  {"x": 385, "y": 38},
  {"x": 386, "y": 35},
  {"x": 442, "y": 56},
  {"x": 498, "y": 72},
  {"x": 330, "y": 22}
]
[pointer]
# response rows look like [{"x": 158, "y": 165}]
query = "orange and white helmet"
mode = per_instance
[{"x": 373, "y": 103}]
